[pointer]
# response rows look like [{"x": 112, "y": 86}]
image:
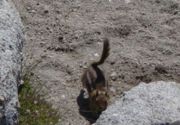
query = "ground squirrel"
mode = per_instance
[{"x": 95, "y": 82}]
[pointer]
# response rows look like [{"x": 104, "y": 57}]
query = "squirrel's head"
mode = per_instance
[{"x": 100, "y": 98}]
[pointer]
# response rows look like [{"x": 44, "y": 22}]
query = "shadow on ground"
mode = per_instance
[{"x": 84, "y": 110}]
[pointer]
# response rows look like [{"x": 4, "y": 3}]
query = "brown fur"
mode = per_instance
[{"x": 95, "y": 82}]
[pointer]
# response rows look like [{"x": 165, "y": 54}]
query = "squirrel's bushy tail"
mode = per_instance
[{"x": 105, "y": 53}]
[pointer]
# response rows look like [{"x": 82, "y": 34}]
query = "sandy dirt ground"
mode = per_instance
[{"x": 64, "y": 36}]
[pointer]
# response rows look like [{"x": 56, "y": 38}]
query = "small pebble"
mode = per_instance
[
  {"x": 28, "y": 8},
  {"x": 63, "y": 96},
  {"x": 96, "y": 55},
  {"x": 80, "y": 65},
  {"x": 127, "y": 1},
  {"x": 33, "y": 11},
  {"x": 113, "y": 76},
  {"x": 28, "y": 111},
  {"x": 35, "y": 102},
  {"x": 21, "y": 82},
  {"x": 37, "y": 112},
  {"x": 112, "y": 89}
]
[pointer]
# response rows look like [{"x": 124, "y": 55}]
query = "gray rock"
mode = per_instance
[
  {"x": 146, "y": 104},
  {"x": 11, "y": 42}
]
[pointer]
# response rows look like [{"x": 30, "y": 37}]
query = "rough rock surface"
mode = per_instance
[
  {"x": 146, "y": 104},
  {"x": 11, "y": 38}
]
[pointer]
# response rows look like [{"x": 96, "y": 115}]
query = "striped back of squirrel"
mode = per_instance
[{"x": 95, "y": 82}]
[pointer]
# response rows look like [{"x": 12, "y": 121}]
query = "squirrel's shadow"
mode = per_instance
[{"x": 84, "y": 110}]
